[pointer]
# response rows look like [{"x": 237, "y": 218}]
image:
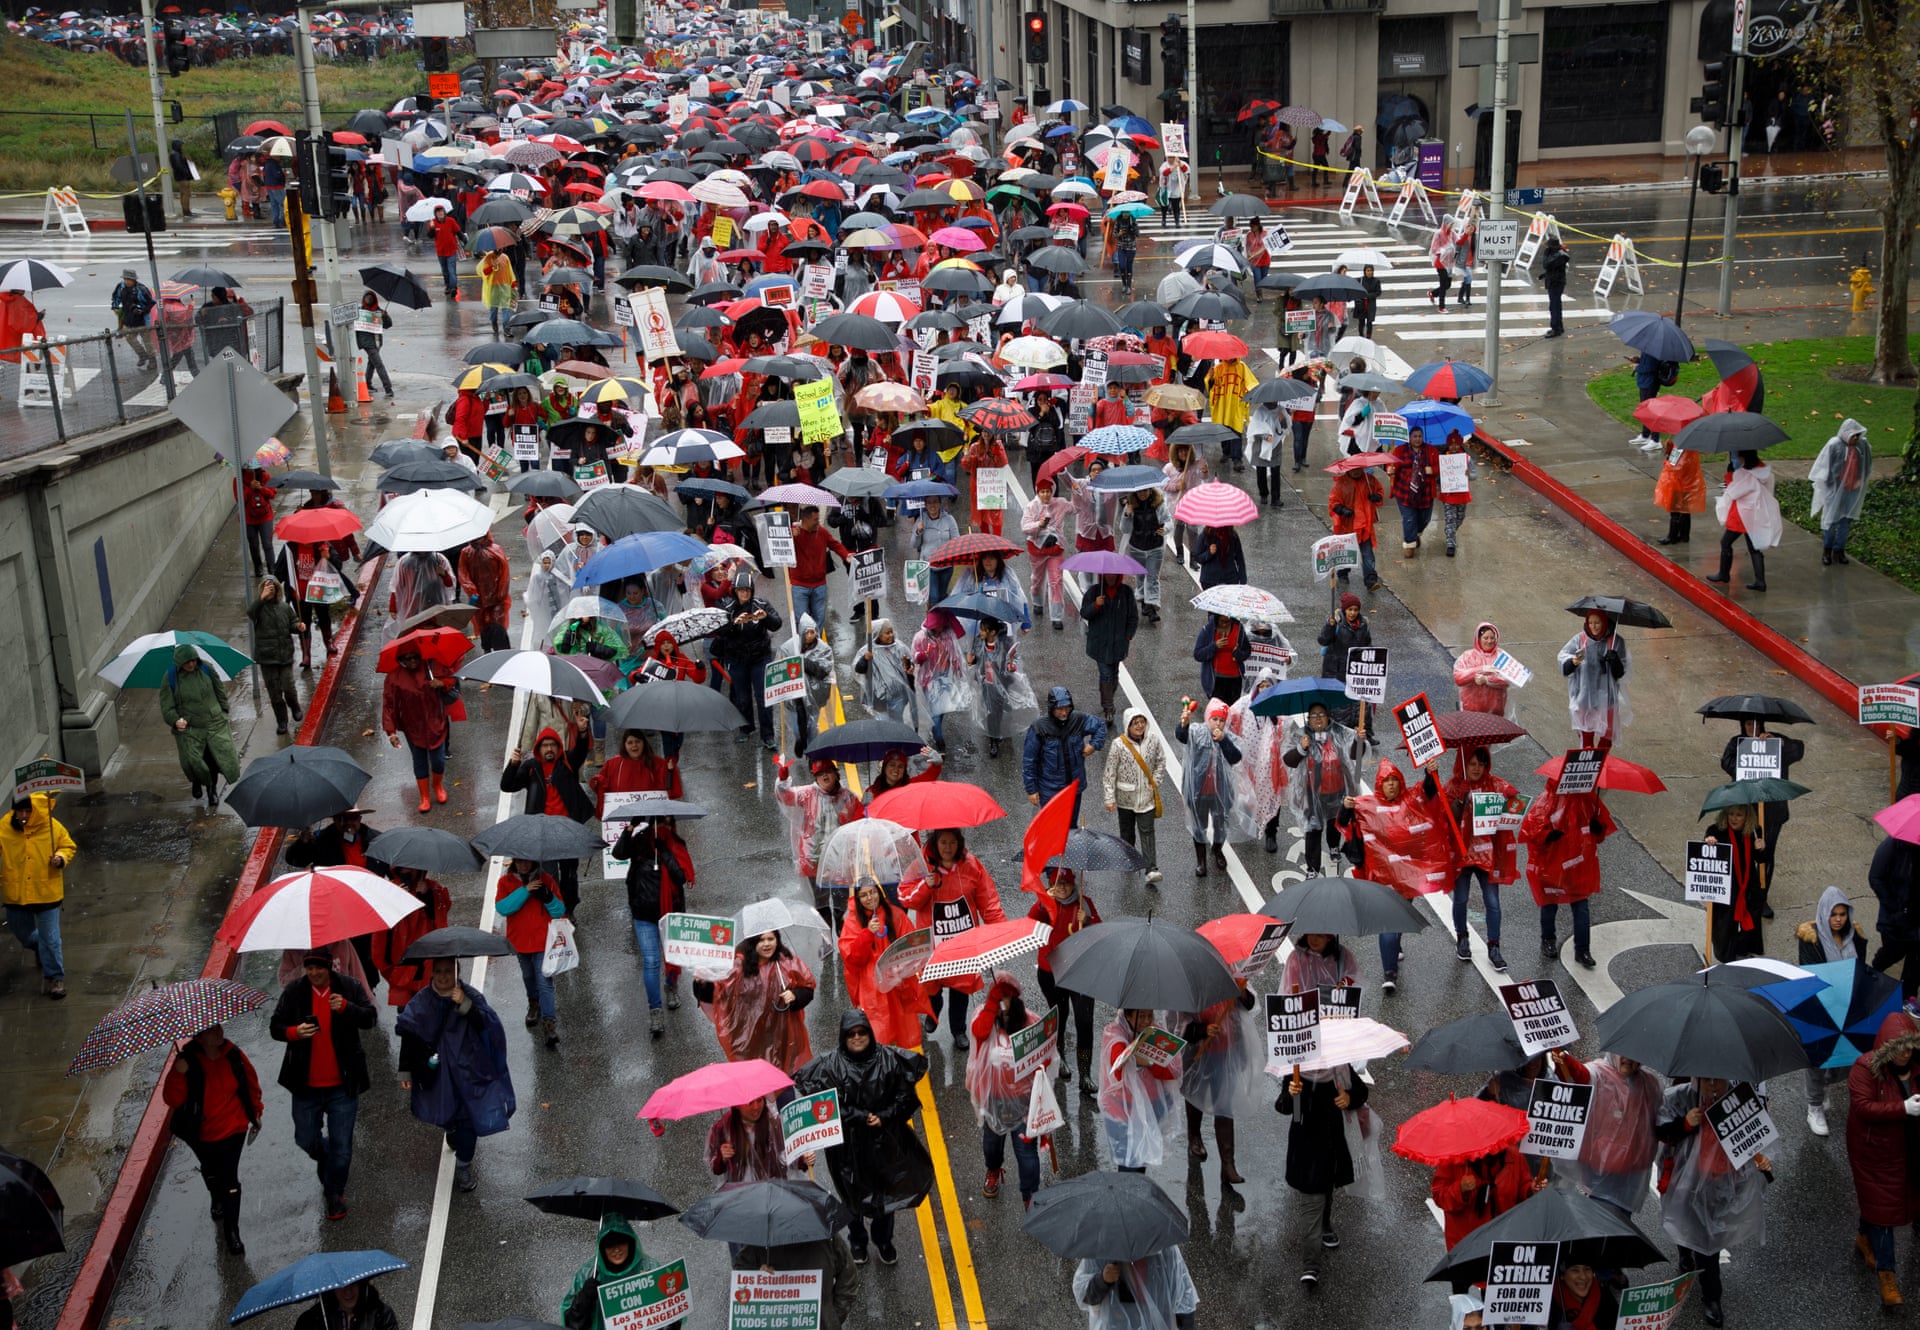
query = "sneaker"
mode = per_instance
[
  {"x": 1462, "y": 949},
  {"x": 888, "y": 1254},
  {"x": 1390, "y": 981},
  {"x": 992, "y": 1187},
  {"x": 1817, "y": 1119},
  {"x": 1311, "y": 1278},
  {"x": 1495, "y": 959},
  {"x": 860, "y": 1254},
  {"x": 656, "y": 1023},
  {"x": 463, "y": 1177},
  {"x": 1153, "y": 877},
  {"x": 336, "y": 1207},
  {"x": 1329, "y": 1239},
  {"x": 928, "y": 1025},
  {"x": 533, "y": 1017}
]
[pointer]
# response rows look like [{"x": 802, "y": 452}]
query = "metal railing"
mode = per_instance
[{"x": 55, "y": 391}]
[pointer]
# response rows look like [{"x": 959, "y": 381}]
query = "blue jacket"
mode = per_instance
[
  {"x": 472, "y": 1074},
  {"x": 1051, "y": 759}
]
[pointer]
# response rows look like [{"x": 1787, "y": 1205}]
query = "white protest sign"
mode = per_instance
[
  {"x": 1757, "y": 759},
  {"x": 811, "y": 1122},
  {"x": 1520, "y": 1280},
  {"x": 1742, "y": 1123},
  {"x": 1580, "y": 772},
  {"x": 1418, "y": 728},
  {"x": 1709, "y": 872},
  {"x": 868, "y": 575},
  {"x": 776, "y": 538},
  {"x": 1293, "y": 1030},
  {"x": 1556, "y": 1119},
  {"x": 1367, "y": 674},
  {"x": 1511, "y": 670},
  {"x": 1540, "y": 1017}
]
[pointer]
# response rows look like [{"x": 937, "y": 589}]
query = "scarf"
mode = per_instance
[{"x": 1742, "y": 875}]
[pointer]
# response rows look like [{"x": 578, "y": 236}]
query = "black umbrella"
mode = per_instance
[
  {"x": 501, "y": 210},
  {"x": 544, "y": 484},
  {"x": 297, "y": 787},
  {"x": 776, "y": 414},
  {"x": 206, "y": 277},
  {"x": 1057, "y": 258},
  {"x": 775, "y": 1213},
  {"x": 675, "y": 706},
  {"x": 454, "y": 943},
  {"x": 1344, "y": 905},
  {"x": 695, "y": 347},
  {"x": 1485, "y": 1043},
  {"x": 621, "y": 510},
  {"x": 1201, "y": 432},
  {"x": 800, "y": 369},
  {"x": 864, "y": 741},
  {"x": 1105, "y": 1216},
  {"x": 650, "y": 274},
  {"x": 1754, "y": 706},
  {"x": 851, "y": 330},
  {"x": 1702, "y": 1026},
  {"x": 1144, "y": 314},
  {"x": 396, "y": 285},
  {"x": 540, "y": 837},
  {"x": 1656, "y": 334},
  {"x": 1331, "y": 286},
  {"x": 1143, "y": 963},
  {"x": 436, "y": 474},
  {"x": 395, "y": 451},
  {"x": 431, "y": 849},
  {"x": 1588, "y": 1231},
  {"x": 592, "y": 1198},
  {"x": 1080, "y": 319},
  {"x": 1239, "y": 205},
  {"x": 1625, "y": 613},
  {"x": 1220, "y": 305},
  {"x": 1090, "y": 851},
  {"x": 31, "y": 1213},
  {"x": 305, "y": 480},
  {"x": 713, "y": 293},
  {"x": 1283, "y": 388},
  {"x": 1731, "y": 432}
]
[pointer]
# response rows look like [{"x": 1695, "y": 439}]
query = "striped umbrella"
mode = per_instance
[
  {"x": 1449, "y": 378},
  {"x": 1234, "y": 600},
  {"x": 801, "y": 495},
  {"x": 147, "y": 661},
  {"x": 311, "y": 909},
  {"x": 1213, "y": 504},
  {"x": 165, "y": 1015},
  {"x": 1118, "y": 440},
  {"x": 998, "y": 414},
  {"x": 885, "y": 306},
  {"x": 984, "y": 946},
  {"x": 533, "y": 672},
  {"x": 33, "y": 275}
]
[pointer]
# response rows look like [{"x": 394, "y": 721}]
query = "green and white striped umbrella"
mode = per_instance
[{"x": 146, "y": 660}]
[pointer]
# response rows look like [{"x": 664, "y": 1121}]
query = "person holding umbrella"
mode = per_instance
[
  {"x": 1319, "y": 1160},
  {"x": 319, "y": 1018},
  {"x": 1596, "y": 664},
  {"x": 1706, "y": 1204},
  {"x": 1494, "y": 859},
  {"x": 872, "y": 924},
  {"x": 551, "y": 778},
  {"x": 193, "y": 703},
  {"x": 657, "y": 878},
  {"x": 956, "y": 895},
  {"x": 1323, "y": 762},
  {"x": 617, "y": 1254},
  {"x": 1416, "y": 470},
  {"x": 814, "y": 811},
  {"x": 355, "y": 1306},
  {"x": 214, "y": 1093},
  {"x": 1066, "y": 908},
  {"x": 406, "y": 978},
  {"x": 1619, "y": 1146},
  {"x": 1829, "y": 937},
  {"x": 1773, "y": 813},
  {"x": 369, "y": 341},
  {"x": 1746, "y": 507},
  {"x": 34, "y": 853},
  {"x": 742, "y": 648},
  {"x": 745, "y": 1144},
  {"x": 528, "y": 900},
  {"x": 454, "y": 1054},
  {"x": 1112, "y": 617}
]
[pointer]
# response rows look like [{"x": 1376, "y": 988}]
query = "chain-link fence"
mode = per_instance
[{"x": 51, "y": 392}]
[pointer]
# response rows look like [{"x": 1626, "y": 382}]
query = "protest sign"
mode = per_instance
[
  {"x": 1367, "y": 674},
  {"x": 1520, "y": 1279},
  {"x": 1709, "y": 872},
  {"x": 916, "y": 578},
  {"x": 1653, "y": 1306},
  {"x": 817, "y": 281},
  {"x": 1299, "y": 322},
  {"x": 1741, "y": 1121},
  {"x": 1889, "y": 704},
  {"x": 903, "y": 960},
  {"x": 653, "y": 323},
  {"x": 722, "y": 231},
  {"x": 774, "y": 1299},
  {"x": 646, "y": 1301},
  {"x": 701, "y": 942},
  {"x": 776, "y": 536},
  {"x": 1263, "y": 951},
  {"x": 1540, "y": 1017},
  {"x": 1173, "y": 138},
  {"x": 1512, "y": 670},
  {"x": 1556, "y": 1119},
  {"x": 1494, "y": 812},
  {"x": 1032, "y": 1044},
  {"x": 1455, "y": 473},
  {"x": 1389, "y": 428},
  {"x": 526, "y": 443},
  {"x": 925, "y": 369},
  {"x": 952, "y": 918},
  {"x": 1580, "y": 773},
  {"x": 617, "y": 809},
  {"x": 1757, "y": 759},
  {"x": 990, "y": 488},
  {"x": 46, "y": 776},
  {"x": 1293, "y": 1030},
  {"x": 1417, "y": 727},
  {"x": 811, "y": 1122},
  {"x": 819, "y": 417},
  {"x": 1114, "y": 178},
  {"x": 786, "y": 680},
  {"x": 1093, "y": 368},
  {"x": 1339, "y": 1002},
  {"x": 1157, "y": 1047},
  {"x": 1277, "y": 241},
  {"x": 867, "y": 575},
  {"x": 1333, "y": 553}
]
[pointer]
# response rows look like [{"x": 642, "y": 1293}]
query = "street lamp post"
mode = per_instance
[{"x": 1700, "y": 141}]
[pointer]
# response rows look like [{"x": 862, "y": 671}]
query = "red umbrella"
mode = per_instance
[
  {"x": 1616, "y": 773},
  {"x": 1459, "y": 1130},
  {"x": 1360, "y": 462},
  {"x": 825, "y": 190},
  {"x": 721, "y": 1085},
  {"x": 1215, "y": 503},
  {"x": 1669, "y": 413},
  {"x": 304, "y": 910},
  {"x": 731, "y": 365},
  {"x": 1059, "y": 462},
  {"x": 442, "y": 648},
  {"x": 967, "y": 548},
  {"x": 1235, "y": 936},
  {"x": 934, "y": 804},
  {"x": 311, "y": 526},
  {"x": 1039, "y": 382},
  {"x": 1472, "y": 729},
  {"x": 1070, "y": 210},
  {"x": 349, "y": 139},
  {"x": 984, "y": 946},
  {"x": 267, "y": 127},
  {"x": 1213, "y": 346}
]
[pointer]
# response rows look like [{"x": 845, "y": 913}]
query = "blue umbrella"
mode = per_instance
[
  {"x": 637, "y": 555},
  {"x": 1126, "y": 479},
  {"x": 1065, "y": 106},
  {"x": 920, "y": 489},
  {"x": 309, "y": 1277},
  {"x": 979, "y": 605},
  {"x": 766, "y": 280},
  {"x": 1131, "y": 124},
  {"x": 1837, "y": 1011},
  {"x": 1292, "y": 697},
  {"x": 1060, "y": 131},
  {"x": 1117, "y": 440},
  {"x": 1655, "y": 334},
  {"x": 1436, "y": 419},
  {"x": 711, "y": 485}
]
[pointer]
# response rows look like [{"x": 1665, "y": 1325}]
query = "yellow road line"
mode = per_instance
[{"x": 936, "y": 1264}]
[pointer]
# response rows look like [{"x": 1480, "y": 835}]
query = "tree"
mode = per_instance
[{"x": 1865, "y": 47}]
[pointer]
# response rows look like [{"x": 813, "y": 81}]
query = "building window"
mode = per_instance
[
  {"x": 1063, "y": 24},
  {"x": 1093, "y": 69},
  {"x": 1235, "y": 64},
  {"x": 1603, "y": 75}
]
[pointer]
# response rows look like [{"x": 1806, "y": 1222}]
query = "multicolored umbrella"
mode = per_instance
[
  {"x": 1235, "y": 600},
  {"x": 1117, "y": 440},
  {"x": 165, "y": 1015},
  {"x": 1456, "y": 1130},
  {"x": 984, "y": 946},
  {"x": 998, "y": 415},
  {"x": 1214, "y": 503},
  {"x": 147, "y": 661},
  {"x": 302, "y": 910},
  {"x": 1031, "y": 352},
  {"x": 1837, "y": 1010},
  {"x": 1449, "y": 378},
  {"x": 965, "y": 549},
  {"x": 890, "y": 397}
]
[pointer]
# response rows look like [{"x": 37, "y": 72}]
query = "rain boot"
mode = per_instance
[
  {"x": 230, "y": 1223},
  {"x": 1726, "y": 565},
  {"x": 1223, "y": 1137},
  {"x": 1106, "y": 702},
  {"x": 1199, "y": 858},
  {"x": 1089, "y": 1088},
  {"x": 439, "y": 787},
  {"x": 1196, "y": 1139},
  {"x": 551, "y": 1030},
  {"x": 306, "y": 648},
  {"x": 1759, "y": 582},
  {"x": 1890, "y": 1291},
  {"x": 426, "y": 794}
]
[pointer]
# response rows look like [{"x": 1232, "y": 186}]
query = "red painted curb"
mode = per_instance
[
  {"x": 92, "y": 1292},
  {"x": 1816, "y": 674}
]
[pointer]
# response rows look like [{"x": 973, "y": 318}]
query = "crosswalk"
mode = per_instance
[{"x": 123, "y": 247}]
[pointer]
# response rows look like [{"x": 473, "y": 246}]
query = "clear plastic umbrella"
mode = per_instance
[
  {"x": 795, "y": 920},
  {"x": 871, "y": 850}
]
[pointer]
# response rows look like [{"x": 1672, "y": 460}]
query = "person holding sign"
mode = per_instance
[
  {"x": 369, "y": 329},
  {"x": 1619, "y": 1145},
  {"x": 745, "y": 1144},
  {"x": 1456, "y": 491},
  {"x": 814, "y": 812},
  {"x": 1343, "y": 632},
  {"x": 1494, "y": 857},
  {"x": 1136, "y": 1092},
  {"x": 759, "y": 1009},
  {"x": 1327, "y": 1117},
  {"x": 1562, "y": 833},
  {"x": 1595, "y": 662},
  {"x": 986, "y": 453},
  {"x": 1737, "y": 928},
  {"x": 1353, "y": 504},
  {"x": 1473, "y": 1191},
  {"x": 872, "y": 924},
  {"x": 1416, "y": 473},
  {"x": 742, "y": 648},
  {"x": 881, "y": 1167},
  {"x": 1773, "y": 814},
  {"x": 1706, "y": 1202},
  {"x": 1323, "y": 766},
  {"x": 1483, "y": 688},
  {"x": 657, "y": 878},
  {"x": 616, "y": 1257},
  {"x": 956, "y": 895},
  {"x": 1219, "y": 1067},
  {"x": 1402, "y": 844},
  {"x": 1884, "y": 1095},
  {"x": 1000, "y": 1094}
]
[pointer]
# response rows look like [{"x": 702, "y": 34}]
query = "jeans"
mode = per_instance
[
  {"x": 323, "y": 1127},
  {"x": 461, "y": 1137},
  {"x": 38, "y": 928},
  {"x": 1832, "y": 537},
  {"x": 1026, "y": 1155},
  {"x": 427, "y": 759},
  {"x": 1880, "y": 1238},
  {"x": 880, "y": 1226},
  {"x": 1489, "y": 897},
  {"x": 1150, "y": 580},
  {"x": 277, "y": 205},
  {"x": 1413, "y": 521},
  {"x": 260, "y": 546},
  {"x": 539, "y": 987},
  {"x": 1390, "y": 952},
  {"x": 1368, "y": 572},
  {"x": 647, "y": 937},
  {"x": 1582, "y": 925},
  {"x": 810, "y": 600},
  {"x": 747, "y": 690},
  {"x": 1134, "y": 824},
  {"x": 450, "y": 272},
  {"x": 1302, "y": 434}
]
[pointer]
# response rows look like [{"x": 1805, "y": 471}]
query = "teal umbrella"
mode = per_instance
[
  {"x": 1739, "y": 793},
  {"x": 147, "y": 661}
]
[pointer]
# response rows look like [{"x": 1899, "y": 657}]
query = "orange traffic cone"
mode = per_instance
[
  {"x": 360, "y": 377},
  {"x": 336, "y": 404}
]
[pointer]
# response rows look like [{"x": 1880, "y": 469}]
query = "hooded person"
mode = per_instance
[
  {"x": 1407, "y": 842},
  {"x": 1156, "y": 1292},
  {"x": 899, "y": 768},
  {"x": 1562, "y": 833},
  {"x": 1003, "y": 700},
  {"x": 551, "y": 778},
  {"x": 1597, "y": 664},
  {"x": 1057, "y": 745},
  {"x": 1136, "y": 1092},
  {"x": 422, "y": 580},
  {"x": 1219, "y": 1067},
  {"x": 881, "y": 1167},
  {"x": 956, "y": 895},
  {"x": 1468, "y": 1310},
  {"x": 1136, "y": 768},
  {"x": 1469, "y": 1192},
  {"x": 885, "y": 667},
  {"x": 746, "y": 1144},
  {"x": 415, "y": 705},
  {"x": 1830, "y": 936},
  {"x": 814, "y": 811},
  {"x": 1707, "y": 1204},
  {"x": 1482, "y": 688},
  {"x": 1494, "y": 858},
  {"x": 617, "y": 1254},
  {"x": 1260, "y": 777},
  {"x": 486, "y": 581},
  {"x": 872, "y": 924},
  {"x": 1839, "y": 476},
  {"x": 1883, "y": 1093},
  {"x": 1001, "y": 1096},
  {"x": 940, "y": 671},
  {"x": 358, "y": 1306},
  {"x": 1747, "y": 507},
  {"x": 454, "y": 1051},
  {"x": 1043, "y": 522},
  {"x": 193, "y": 703},
  {"x": 1618, "y": 1149},
  {"x": 758, "y": 1008},
  {"x": 1206, "y": 784},
  {"x": 1322, "y": 758},
  {"x": 817, "y": 664}
]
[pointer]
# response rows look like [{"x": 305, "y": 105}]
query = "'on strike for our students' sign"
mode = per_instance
[
  {"x": 1520, "y": 1278},
  {"x": 1367, "y": 674},
  {"x": 1293, "y": 1029},
  {"x": 1539, "y": 1015},
  {"x": 1556, "y": 1119},
  {"x": 1415, "y": 716},
  {"x": 1709, "y": 872},
  {"x": 1742, "y": 1123}
]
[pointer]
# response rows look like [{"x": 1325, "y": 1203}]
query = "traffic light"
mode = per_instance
[
  {"x": 179, "y": 58},
  {"x": 306, "y": 173},
  {"x": 336, "y": 188},
  {"x": 1173, "y": 50},
  {"x": 1711, "y": 104},
  {"x": 1712, "y": 178},
  {"x": 1036, "y": 33},
  {"x": 433, "y": 54}
]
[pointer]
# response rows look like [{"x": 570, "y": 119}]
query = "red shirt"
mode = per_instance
[
  {"x": 446, "y": 237},
  {"x": 1111, "y": 411},
  {"x": 224, "y": 1103},
  {"x": 810, "y": 549},
  {"x": 324, "y": 1071}
]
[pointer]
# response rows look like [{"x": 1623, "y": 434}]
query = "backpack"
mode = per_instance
[
  {"x": 1668, "y": 373},
  {"x": 1126, "y": 231}
]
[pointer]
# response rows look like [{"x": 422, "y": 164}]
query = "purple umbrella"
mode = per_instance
[
  {"x": 604, "y": 673},
  {"x": 1103, "y": 561}
]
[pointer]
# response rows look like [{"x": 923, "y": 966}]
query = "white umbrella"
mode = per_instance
[
  {"x": 533, "y": 672},
  {"x": 765, "y": 221},
  {"x": 430, "y": 520},
  {"x": 423, "y": 210},
  {"x": 1353, "y": 260},
  {"x": 796, "y": 921},
  {"x": 1364, "y": 347},
  {"x": 719, "y": 193},
  {"x": 1350, "y": 1040},
  {"x": 1033, "y": 353},
  {"x": 1206, "y": 254},
  {"x": 1173, "y": 286}
]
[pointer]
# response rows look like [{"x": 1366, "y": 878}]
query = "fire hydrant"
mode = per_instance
[
  {"x": 1862, "y": 284},
  {"x": 230, "y": 196}
]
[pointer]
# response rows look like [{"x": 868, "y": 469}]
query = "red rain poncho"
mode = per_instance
[
  {"x": 1563, "y": 853},
  {"x": 749, "y": 1023},
  {"x": 1409, "y": 845},
  {"x": 895, "y": 1014}
]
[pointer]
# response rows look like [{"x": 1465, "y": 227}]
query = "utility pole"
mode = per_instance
[
  {"x": 1497, "y": 183},
  {"x": 1190, "y": 85},
  {"x": 304, "y": 296},
  {"x": 163, "y": 161},
  {"x": 987, "y": 85},
  {"x": 339, "y": 342},
  {"x": 1736, "y": 140}
]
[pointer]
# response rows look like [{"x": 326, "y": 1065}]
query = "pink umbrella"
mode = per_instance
[
  {"x": 1902, "y": 820},
  {"x": 803, "y": 496},
  {"x": 1038, "y": 382},
  {"x": 664, "y": 191},
  {"x": 958, "y": 237},
  {"x": 710, "y": 1089},
  {"x": 312, "y": 909},
  {"x": 1215, "y": 504}
]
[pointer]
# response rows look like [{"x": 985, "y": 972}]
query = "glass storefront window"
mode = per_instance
[{"x": 1603, "y": 75}]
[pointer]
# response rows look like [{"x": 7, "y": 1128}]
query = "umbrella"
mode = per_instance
[
  {"x": 1293, "y": 697},
  {"x": 1090, "y": 851},
  {"x": 625, "y": 510},
  {"x": 1589, "y": 1232},
  {"x": 395, "y": 451},
  {"x": 430, "y": 849},
  {"x": 1212, "y": 503},
  {"x": 155, "y": 1019},
  {"x": 1282, "y": 389},
  {"x": 452, "y": 615},
  {"x": 1616, "y": 773},
  {"x": 778, "y": 914},
  {"x": 637, "y": 555},
  {"x": 1370, "y": 383},
  {"x": 889, "y": 397},
  {"x": 1235, "y": 936},
  {"x": 688, "y": 625},
  {"x": 453, "y": 943},
  {"x": 147, "y": 661},
  {"x": 1667, "y": 413},
  {"x": 1481, "y": 1044},
  {"x": 1239, "y": 205},
  {"x": 1703, "y": 1028},
  {"x": 1209, "y": 305},
  {"x": 311, "y": 909},
  {"x": 307, "y": 1278},
  {"x": 854, "y": 482},
  {"x": 1206, "y": 254},
  {"x": 998, "y": 414},
  {"x": 592, "y": 1198},
  {"x": 1449, "y": 378},
  {"x": 537, "y": 836},
  {"x": 965, "y": 549},
  {"x": 984, "y": 947},
  {"x": 1741, "y": 387},
  {"x": 437, "y": 473},
  {"x": 919, "y": 489},
  {"x": 1098, "y": 562},
  {"x": 1209, "y": 345},
  {"x": 1105, "y": 1216},
  {"x": 1624, "y": 613},
  {"x": 395, "y": 284},
  {"x": 711, "y": 1088},
  {"x": 1731, "y": 432},
  {"x": 308, "y": 480},
  {"x": 773, "y": 1212},
  {"x": 1837, "y": 1009},
  {"x": 928, "y": 805},
  {"x": 1355, "y": 1039},
  {"x": 1343, "y": 905},
  {"x": 871, "y": 849},
  {"x": 1331, "y": 286},
  {"x": 205, "y": 276},
  {"x": 33, "y": 275},
  {"x": 34, "y": 1214},
  {"x": 1740, "y": 793},
  {"x": 856, "y": 330},
  {"x": 674, "y": 706},
  {"x": 1755, "y": 706},
  {"x": 1901, "y": 820},
  {"x": 865, "y": 741},
  {"x": 1655, "y": 334},
  {"x": 1080, "y": 319},
  {"x": 544, "y": 484},
  {"x": 1143, "y": 963},
  {"x": 1117, "y": 440},
  {"x": 1473, "y": 729},
  {"x": 430, "y": 520},
  {"x": 805, "y": 496},
  {"x": 1234, "y": 600},
  {"x": 442, "y": 648},
  {"x": 1457, "y": 1130},
  {"x": 297, "y": 786}
]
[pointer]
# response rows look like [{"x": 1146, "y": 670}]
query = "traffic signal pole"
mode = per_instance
[
  {"x": 339, "y": 342},
  {"x": 1497, "y": 188},
  {"x": 1736, "y": 142},
  {"x": 163, "y": 160},
  {"x": 1189, "y": 85}
]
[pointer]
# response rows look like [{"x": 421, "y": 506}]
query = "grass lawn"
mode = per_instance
[
  {"x": 1886, "y": 536},
  {"x": 1800, "y": 393},
  {"x": 37, "y": 151}
]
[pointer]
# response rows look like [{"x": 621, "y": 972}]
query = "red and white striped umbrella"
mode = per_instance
[
  {"x": 885, "y": 306},
  {"x": 1215, "y": 504},
  {"x": 984, "y": 946},
  {"x": 313, "y": 909}
]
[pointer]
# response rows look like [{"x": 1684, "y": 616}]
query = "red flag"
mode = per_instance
[{"x": 1046, "y": 836}]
